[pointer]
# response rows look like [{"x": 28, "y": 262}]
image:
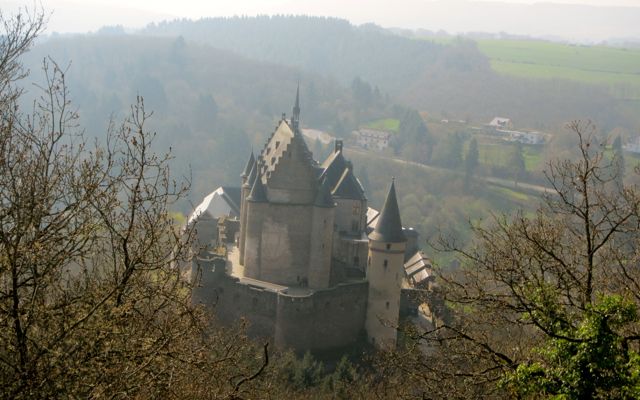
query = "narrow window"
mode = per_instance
[
  {"x": 387, "y": 305},
  {"x": 388, "y": 246},
  {"x": 356, "y": 261},
  {"x": 385, "y": 263}
]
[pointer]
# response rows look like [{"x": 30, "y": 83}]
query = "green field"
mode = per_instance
[
  {"x": 617, "y": 68},
  {"x": 498, "y": 153},
  {"x": 387, "y": 124}
]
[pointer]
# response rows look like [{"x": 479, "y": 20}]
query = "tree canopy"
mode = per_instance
[{"x": 544, "y": 304}]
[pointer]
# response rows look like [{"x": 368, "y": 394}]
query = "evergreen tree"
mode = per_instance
[
  {"x": 471, "y": 160},
  {"x": 449, "y": 154},
  {"x": 516, "y": 163},
  {"x": 413, "y": 138}
]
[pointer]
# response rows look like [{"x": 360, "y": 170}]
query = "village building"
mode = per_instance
[
  {"x": 633, "y": 146},
  {"x": 500, "y": 123},
  {"x": 372, "y": 139}
]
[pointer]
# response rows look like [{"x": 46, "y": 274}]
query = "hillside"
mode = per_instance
[
  {"x": 210, "y": 106},
  {"x": 329, "y": 46},
  {"x": 455, "y": 78}
]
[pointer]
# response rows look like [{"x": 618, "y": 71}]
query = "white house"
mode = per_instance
[{"x": 372, "y": 139}]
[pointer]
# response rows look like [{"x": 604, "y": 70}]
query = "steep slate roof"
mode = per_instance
[
  {"x": 232, "y": 195},
  {"x": 372, "y": 218},
  {"x": 338, "y": 172},
  {"x": 247, "y": 168},
  {"x": 221, "y": 202},
  {"x": 418, "y": 269},
  {"x": 252, "y": 175},
  {"x": 348, "y": 187},
  {"x": 334, "y": 167},
  {"x": 258, "y": 192},
  {"x": 284, "y": 139},
  {"x": 324, "y": 198},
  {"x": 389, "y": 226}
]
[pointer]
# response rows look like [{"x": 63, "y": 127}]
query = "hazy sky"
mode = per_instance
[{"x": 455, "y": 16}]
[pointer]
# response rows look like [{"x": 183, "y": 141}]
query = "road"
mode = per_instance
[{"x": 506, "y": 183}]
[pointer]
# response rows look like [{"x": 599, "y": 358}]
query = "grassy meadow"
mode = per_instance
[
  {"x": 497, "y": 153},
  {"x": 387, "y": 124},
  {"x": 617, "y": 68}
]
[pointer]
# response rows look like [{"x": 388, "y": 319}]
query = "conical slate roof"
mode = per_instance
[
  {"x": 258, "y": 192},
  {"x": 247, "y": 168},
  {"x": 252, "y": 175},
  {"x": 389, "y": 226}
]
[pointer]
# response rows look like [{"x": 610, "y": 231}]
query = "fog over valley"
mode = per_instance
[{"x": 330, "y": 200}]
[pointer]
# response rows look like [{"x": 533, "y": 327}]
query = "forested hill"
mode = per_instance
[
  {"x": 210, "y": 106},
  {"x": 329, "y": 46},
  {"x": 455, "y": 80}
]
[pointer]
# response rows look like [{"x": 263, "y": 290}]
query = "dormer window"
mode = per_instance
[
  {"x": 268, "y": 150},
  {"x": 277, "y": 144}
]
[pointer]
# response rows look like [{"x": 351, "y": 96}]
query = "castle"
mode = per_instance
[{"x": 297, "y": 252}]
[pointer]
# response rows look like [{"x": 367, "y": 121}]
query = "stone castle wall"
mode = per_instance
[
  {"x": 351, "y": 214},
  {"x": 328, "y": 318},
  {"x": 286, "y": 242},
  {"x": 289, "y": 244}
]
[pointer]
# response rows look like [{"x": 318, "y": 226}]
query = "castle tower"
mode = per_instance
[
  {"x": 322, "y": 221},
  {"x": 256, "y": 207},
  {"x": 243, "y": 209},
  {"x": 385, "y": 270}
]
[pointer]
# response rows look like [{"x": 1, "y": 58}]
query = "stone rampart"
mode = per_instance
[{"x": 324, "y": 319}]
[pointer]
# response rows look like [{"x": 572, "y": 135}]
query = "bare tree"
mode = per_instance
[
  {"x": 18, "y": 36},
  {"x": 92, "y": 303},
  {"x": 545, "y": 304}
]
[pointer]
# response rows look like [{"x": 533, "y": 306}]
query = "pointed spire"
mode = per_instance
[
  {"x": 324, "y": 198},
  {"x": 389, "y": 226},
  {"x": 295, "y": 117},
  {"x": 252, "y": 175},
  {"x": 247, "y": 168},
  {"x": 258, "y": 192}
]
